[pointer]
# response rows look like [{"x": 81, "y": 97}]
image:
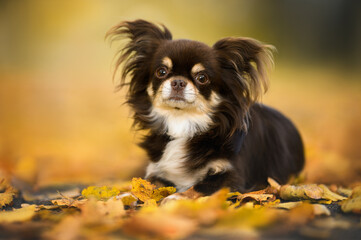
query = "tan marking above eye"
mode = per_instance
[
  {"x": 167, "y": 62},
  {"x": 197, "y": 68}
]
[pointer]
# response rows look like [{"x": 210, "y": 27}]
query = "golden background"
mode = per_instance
[{"x": 62, "y": 122}]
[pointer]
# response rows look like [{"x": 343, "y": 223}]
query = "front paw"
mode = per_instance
[
  {"x": 189, "y": 194},
  {"x": 173, "y": 197}
]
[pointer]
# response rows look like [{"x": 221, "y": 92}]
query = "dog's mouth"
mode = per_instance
[
  {"x": 177, "y": 102},
  {"x": 177, "y": 98}
]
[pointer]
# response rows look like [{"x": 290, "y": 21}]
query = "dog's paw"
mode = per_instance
[
  {"x": 189, "y": 194},
  {"x": 173, "y": 197}
]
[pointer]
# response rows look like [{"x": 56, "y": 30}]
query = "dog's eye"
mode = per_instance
[
  {"x": 161, "y": 72},
  {"x": 202, "y": 78}
]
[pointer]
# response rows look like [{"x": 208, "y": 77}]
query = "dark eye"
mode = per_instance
[
  {"x": 202, "y": 78},
  {"x": 161, "y": 72}
]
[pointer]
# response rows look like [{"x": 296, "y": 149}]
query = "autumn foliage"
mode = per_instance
[{"x": 137, "y": 209}]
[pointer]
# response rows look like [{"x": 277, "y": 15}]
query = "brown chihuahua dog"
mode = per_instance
[{"x": 198, "y": 103}]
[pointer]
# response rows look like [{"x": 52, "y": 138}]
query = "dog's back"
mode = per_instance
[{"x": 272, "y": 148}]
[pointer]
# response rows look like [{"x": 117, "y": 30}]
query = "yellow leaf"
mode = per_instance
[
  {"x": 7, "y": 193},
  {"x": 145, "y": 191},
  {"x": 159, "y": 225},
  {"x": 329, "y": 195},
  {"x": 286, "y": 205},
  {"x": 324, "y": 202},
  {"x": 68, "y": 202},
  {"x": 301, "y": 214},
  {"x": 249, "y": 218},
  {"x": 100, "y": 192},
  {"x": 353, "y": 204},
  {"x": 150, "y": 203},
  {"x": 111, "y": 208},
  {"x": 308, "y": 192},
  {"x": 160, "y": 193},
  {"x": 273, "y": 183},
  {"x": 142, "y": 189},
  {"x": 320, "y": 209},
  {"x": 127, "y": 198},
  {"x": 305, "y": 192},
  {"x": 344, "y": 191},
  {"x": 18, "y": 215},
  {"x": 205, "y": 210},
  {"x": 257, "y": 197}
]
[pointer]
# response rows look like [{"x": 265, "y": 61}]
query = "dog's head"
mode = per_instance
[{"x": 184, "y": 87}]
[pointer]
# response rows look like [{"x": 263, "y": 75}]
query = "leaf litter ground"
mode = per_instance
[{"x": 137, "y": 210}]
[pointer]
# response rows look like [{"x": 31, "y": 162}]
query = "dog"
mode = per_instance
[{"x": 205, "y": 129}]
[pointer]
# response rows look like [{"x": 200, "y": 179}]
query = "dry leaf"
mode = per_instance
[
  {"x": 18, "y": 215},
  {"x": 142, "y": 189},
  {"x": 300, "y": 214},
  {"x": 159, "y": 225},
  {"x": 308, "y": 192},
  {"x": 69, "y": 202},
  {"x": 353, "y": 204},
  {"x": 273, "y": 183},
  {"x": 286, "y": 205},
  {"x": 100, "y": 192},
  {"x": 319, "y": 209},
  {"x": 344, "y": 191},
  {"x": 145, "y": 191},
  {"x": 112, "y": 208},
  {"x": 256, "y": 197},
  {"x": 329, "y": 195},
  {"x": 248, "y": 218},
  {"x": 128, "y": 199},
  {"x": 7, "y": 193},
  {"x": 162, "y": 192},
  {"x": 305, "y": 192}
]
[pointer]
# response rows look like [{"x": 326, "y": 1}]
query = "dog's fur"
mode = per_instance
[{"x": 198, "y": 104}]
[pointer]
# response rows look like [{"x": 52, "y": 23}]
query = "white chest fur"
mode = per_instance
[{"x": 172, "y": 166}]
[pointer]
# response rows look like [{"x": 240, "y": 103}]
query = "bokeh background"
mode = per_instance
[{"x": 62, "y": 122}]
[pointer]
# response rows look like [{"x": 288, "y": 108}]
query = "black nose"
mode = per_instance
[{"x": 178, "y": 84}]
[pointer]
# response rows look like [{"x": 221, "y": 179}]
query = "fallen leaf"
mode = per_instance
[
  {"x": 329, "y": 195},
  {"x": 159, "y": 225},
  {"x": 330, "y": 223},
  {"x": 319, "y": 209},
  {"x": 273, "y": 183},
  {"x": 256, "y": 197},
  {"x": 162, "y": 192},
  {"x": 151, "y": 203},
  {"x": 100, "y": 192},
  {"x": 353, "y": 204},
  {"x": 69, "y": 202},
  {"x": 301, "y": 192},
  {"x": 308, "y": 192},
  {"x": 128, "y": 199},
  {"x": 18, "y": 215},
  {"x": 142, "y": 189},
  {"x": 344, "y": 191},
  {"x": 7, "y": 193},
  {"x": 286, "y": 205},
  {"x": 111, "y": 208},
  {"x": 248, "y": 218},
  {"x": 145, "y": 191},
  {"x": 301, "y": 214}
]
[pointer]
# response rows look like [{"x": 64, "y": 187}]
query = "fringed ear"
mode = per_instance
[
  {"x": 144, "y": 38},
  {"x": 244, "y": 63}
]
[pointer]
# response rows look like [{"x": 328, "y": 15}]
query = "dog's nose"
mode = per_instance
[{"x": 178, "y": 84}]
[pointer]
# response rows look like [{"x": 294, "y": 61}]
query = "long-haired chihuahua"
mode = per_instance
[{"x": 205, "y": 129}]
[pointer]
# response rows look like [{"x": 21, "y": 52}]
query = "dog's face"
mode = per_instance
[
  {"x": 186, "y": 85},
  {"x": 183, "y": 77}
]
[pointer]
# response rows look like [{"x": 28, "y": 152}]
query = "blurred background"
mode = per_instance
[{"x": 62, "y": 122}]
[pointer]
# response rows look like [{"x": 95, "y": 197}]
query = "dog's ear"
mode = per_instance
[
  {"x": 244, "y": 63},
  {"x": 143, "y": 40}
]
